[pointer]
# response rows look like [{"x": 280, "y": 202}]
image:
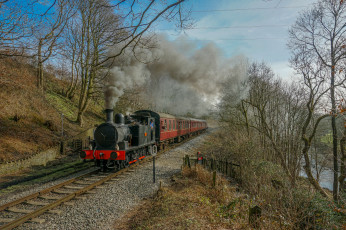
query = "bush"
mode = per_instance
[{"x": 298, "y": 207}]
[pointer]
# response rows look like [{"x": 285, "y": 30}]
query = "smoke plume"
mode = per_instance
[{"x": 179, "y": 76}]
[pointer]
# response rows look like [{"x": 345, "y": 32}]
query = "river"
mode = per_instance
[{"x": 326, "y": 177}]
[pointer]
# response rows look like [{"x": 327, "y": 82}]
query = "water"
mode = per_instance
[{"x": 326, "y": 176}]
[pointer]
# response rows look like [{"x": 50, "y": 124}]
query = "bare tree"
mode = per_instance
[
  {"x": 316, "y": 89},
  {"x": 342, "y": 111},
  {"x": 71, "y": 52},
  {"x": 273, "y": 112},
  {"x": 140, "y": 17},
  {"x": 48, "y": 33},
  {"x": 15, "y": 28},
  {"x": 101, "y": 26},
  {"x": 320, "y": 33}
]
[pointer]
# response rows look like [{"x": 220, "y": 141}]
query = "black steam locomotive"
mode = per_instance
[{"x": 122, "y": 142}]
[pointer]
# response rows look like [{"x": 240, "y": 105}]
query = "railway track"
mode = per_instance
[
  {"x": 46, "y": 176},
  {"x": 30, "y": 207}
]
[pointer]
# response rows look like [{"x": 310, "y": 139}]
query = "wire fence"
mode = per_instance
[{"x": 226, "y": 168}]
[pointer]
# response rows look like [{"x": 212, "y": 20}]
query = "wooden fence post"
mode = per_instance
[
  {"x": 62, "y": 147},
  {"x": 188, "y": 161},
  {"x": 254, "y": 216},
  {"x": 214, "y": 178}
]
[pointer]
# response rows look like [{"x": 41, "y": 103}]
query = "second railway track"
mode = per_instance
[{"x": 28, "y": 208}]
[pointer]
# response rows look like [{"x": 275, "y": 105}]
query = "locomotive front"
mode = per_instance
[
  {"x": 107, "y": 138},
  {"x": 108, "y": 135}
]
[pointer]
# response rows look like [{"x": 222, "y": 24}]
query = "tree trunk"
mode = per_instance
[
  {"x": 70, "y": 91},
  {"x": 39, "y": 67},
  {"x": 335, "y": 135},
  {"x": 307, "y": 168},
  {"x": 82, "y": 99},
  {"x": 342, "y": 162},
  {"x": 80, "y": 118}
]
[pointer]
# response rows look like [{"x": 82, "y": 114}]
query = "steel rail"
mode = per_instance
[
  {"x": 47, "y": 190},
  {"x": 56, "y": 203},
  {"x": 37, "y": 212}
]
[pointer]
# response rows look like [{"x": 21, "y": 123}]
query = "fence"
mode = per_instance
[{"x": 226, "y": 168}]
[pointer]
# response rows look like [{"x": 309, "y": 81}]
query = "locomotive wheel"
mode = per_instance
[
  {"x": 122, "y": 164},
  {"x": 104, "y": 165},
  {"x": 126, "y": 162}
]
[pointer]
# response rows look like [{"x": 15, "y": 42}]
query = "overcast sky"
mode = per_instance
[{"x": 257, "y": 29}]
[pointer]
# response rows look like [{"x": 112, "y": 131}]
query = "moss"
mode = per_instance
[{"x": 62, "y": 104}]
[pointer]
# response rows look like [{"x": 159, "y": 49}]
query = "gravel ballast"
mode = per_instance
[{"x": 101, "y": 210}]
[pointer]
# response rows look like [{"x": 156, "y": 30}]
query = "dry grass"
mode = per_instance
[
  {"x": 28, "y": 121},
  {"x": 191, "y": 202},
  {"x": 266, "y": 183}
]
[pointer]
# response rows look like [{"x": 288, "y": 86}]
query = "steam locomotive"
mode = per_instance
[{"x": 127, "y": 139}]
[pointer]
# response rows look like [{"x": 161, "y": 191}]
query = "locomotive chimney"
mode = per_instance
[{"x": 109, "y": 114}]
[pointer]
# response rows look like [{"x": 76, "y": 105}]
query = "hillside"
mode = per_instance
[{"x": 30, "y": 120}]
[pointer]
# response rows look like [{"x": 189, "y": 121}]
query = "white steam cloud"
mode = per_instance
[{"x": 180, "y": 77}]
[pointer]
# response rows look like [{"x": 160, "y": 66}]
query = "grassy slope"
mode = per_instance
[
  {"x": 191, "y": 202},
  {"x": 30, "y": 120}
]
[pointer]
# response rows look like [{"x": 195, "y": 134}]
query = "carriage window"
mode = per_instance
[
  {"x": 173, "y": 124},
  {"x": 165, "y": 124},
  {"x": 170, "y": 125}
]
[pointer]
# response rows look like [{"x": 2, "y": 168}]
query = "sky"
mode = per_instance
[{"x": 257, "y": 29}]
